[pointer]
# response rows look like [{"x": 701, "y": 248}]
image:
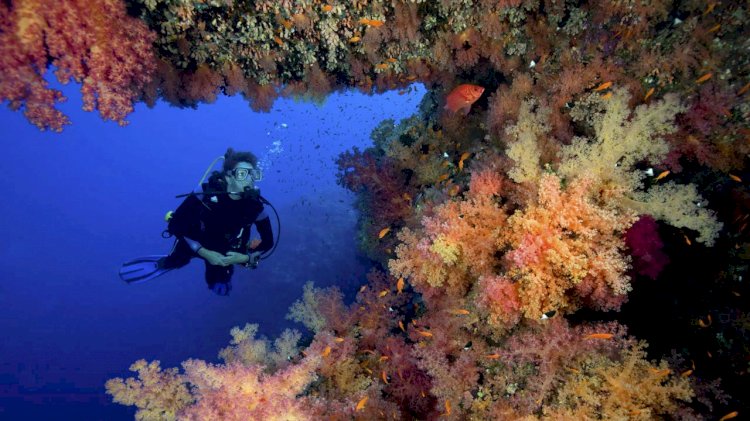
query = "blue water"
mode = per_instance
[{"x": 77, "y": 204}]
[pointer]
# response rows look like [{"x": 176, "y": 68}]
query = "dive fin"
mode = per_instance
[{"x": 143, "y": 269}]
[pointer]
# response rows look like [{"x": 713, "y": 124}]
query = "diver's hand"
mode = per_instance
[
  {"x": 213, "y": 257},
  {"x": 235, "y": 258}
]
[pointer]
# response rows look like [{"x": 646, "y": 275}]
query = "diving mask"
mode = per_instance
[{"x": 241, "y": 174}]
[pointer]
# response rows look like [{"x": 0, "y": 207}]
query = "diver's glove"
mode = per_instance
[{"x": 222, "y": 289}]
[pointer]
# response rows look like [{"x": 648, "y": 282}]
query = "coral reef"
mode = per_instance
[{"x": 498, "y": 228}]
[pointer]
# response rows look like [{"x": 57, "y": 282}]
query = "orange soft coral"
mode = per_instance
[
  {"x": 459, "y": 242},
  {"x": 563, "y": 240}
]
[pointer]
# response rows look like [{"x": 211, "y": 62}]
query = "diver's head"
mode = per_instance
[{"x": 240, "y": 171}]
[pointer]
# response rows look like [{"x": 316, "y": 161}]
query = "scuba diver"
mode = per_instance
[{"x": 215, "y": 227}]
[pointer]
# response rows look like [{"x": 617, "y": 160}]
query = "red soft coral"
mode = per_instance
[{"x": 94, "y": 43}]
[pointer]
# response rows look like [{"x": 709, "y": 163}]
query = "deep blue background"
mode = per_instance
[{"x": 76, "y": 205}]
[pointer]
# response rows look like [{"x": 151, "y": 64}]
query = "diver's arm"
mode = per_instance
[
  {"x": 194, "y": 245},
  {"x": 263, "y": 225}
]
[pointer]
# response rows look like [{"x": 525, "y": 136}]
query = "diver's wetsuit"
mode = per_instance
[{"x": 217, "y": 223}]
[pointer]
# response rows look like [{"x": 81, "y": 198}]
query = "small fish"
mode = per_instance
[
  {"x": 384, "y": 358},
  {"x": 391, "y": 60},
  {"x": 327, "y": 8},
  {"x": 686, "y": 373},
  {"x": 326, "y": 352},
  {"x": 462, "y": 159},
  {"x": 459, "y": 312},
  {"x": 608, "y": 95},
  {"x": 399, "y": 285},
  {"x": 735, "y": 178},
  {"x": 422, "y": 394},
  {"x": 574, "y": 370},
  {"x": 383, "y": 232},
  {"x": 687, "y": 240},
  {"x": 354, "y": 40},
  {"x": 375, "y": 23},
  {"x": 649, "y": 93},
  {"x": 381, "y": 66},
  {"x": 368, "y": 351},
  {"x": 710, "y": 8},
  {"x": 714, "y": 28},
  {"x": 708, "y": 353},
  {"x": 362, "y": 288},
  {"x": 704, "y": 78},
  {"x": 361, "y": 404},
  {"x": 425, "y": 333},
  {"x": 661, "y": 175},
  {"x": 603, "y": 86},
  {"x": 462, "y": 96},
  {"x": 701, "y": 323},
  {"x": 447, "y": 407},
  {"x": 493, "y": 356},
  {"x": 443, "y": 177},
  {"x": 401, "y": 326},
  {"x": 600, "y": 336},
  {"x": 337, "y": 339},
  {"x": 384, "y": 377},
  {"x": 729, "y": 416},
  {"x": 383, "y": 293},
  {"x": 743, "y": 89},
  {"x": 660, "y": 373},
  {"x": 278, "y": 41}
]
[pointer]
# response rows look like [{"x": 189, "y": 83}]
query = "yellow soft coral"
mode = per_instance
[
  {"x": 631, "y": 388},
  {"x": 159, "y": 395}
]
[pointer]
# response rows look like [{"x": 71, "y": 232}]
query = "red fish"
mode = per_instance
[{"x": 462, "y": 96}]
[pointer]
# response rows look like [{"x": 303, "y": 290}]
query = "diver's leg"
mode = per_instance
[
  {"x": 179, "y": 256},
  {"x": 219, "y": 278}
]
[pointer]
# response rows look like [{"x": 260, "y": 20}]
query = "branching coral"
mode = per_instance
[
  {"x": 159, "y": 395},
  {"x": 94, "y": 43},
  {"x": 562, "y": 241}
]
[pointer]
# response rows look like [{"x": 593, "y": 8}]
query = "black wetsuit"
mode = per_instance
[{"x": 217, "y": 223}]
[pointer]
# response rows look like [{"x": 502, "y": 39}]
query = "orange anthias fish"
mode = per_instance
[
  {"x": 361, "y": 404},
  {"x": 600, "y": 336},
  {"x": 704, "y": 78},
  {"x": 383, "y": 232},
  {"x": 662, "y": 175},
  {"x": 327, "y": 8},
  {"x": 400, "y": 285},
  {"x": 649, "y": 93},
  {"x": 462, "y": 96},
  {"x": 729, "y": 416},
  {"x": 603, "y": 86}
]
